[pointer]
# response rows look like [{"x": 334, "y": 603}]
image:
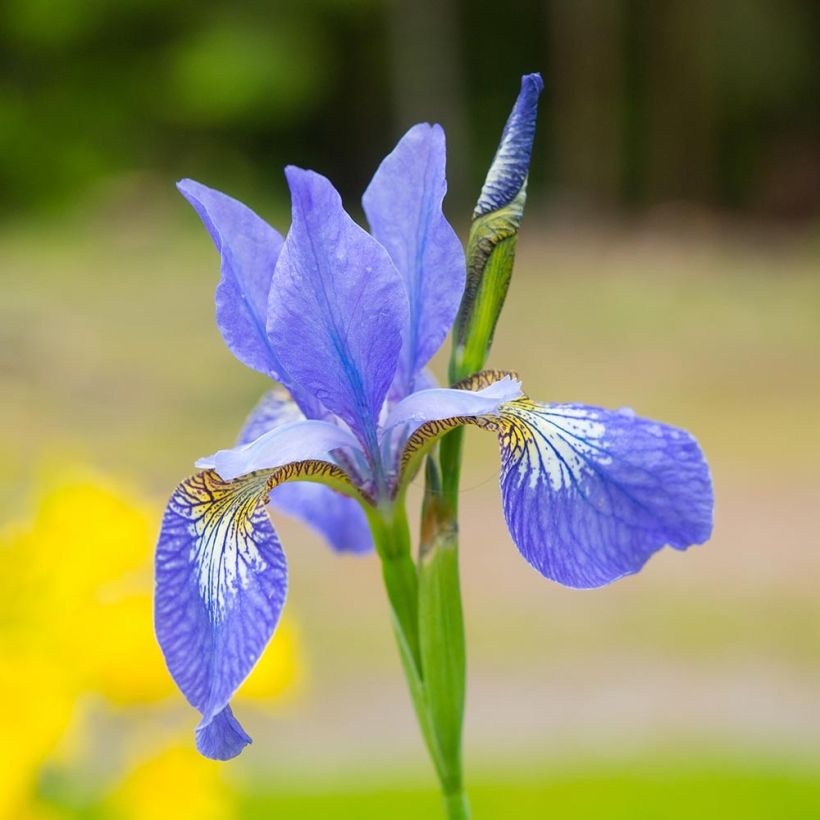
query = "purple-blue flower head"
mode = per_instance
[{"x": 346, "y": 322}]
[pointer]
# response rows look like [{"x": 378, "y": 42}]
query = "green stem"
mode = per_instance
[
  {"x": 401, "y": 578},
  {"x": 456, "y": 805}
]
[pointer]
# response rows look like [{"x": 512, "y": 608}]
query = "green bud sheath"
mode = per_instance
[{"x": 491, "y": 246}]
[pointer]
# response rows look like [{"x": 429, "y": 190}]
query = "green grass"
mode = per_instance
[{"x": 653, "y": 792}]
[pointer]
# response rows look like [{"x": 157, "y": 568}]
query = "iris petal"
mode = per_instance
[
  {"x": 274, "y": 409},
  {"x": 590, "y": 494},
  {"x": 336, "y": 307},
  {"x": 221, "y": 582},
  {"x": 288, "y": 443},
  {"x": 249, "y": 249},
  {"x": 422, "y": 418},
  {"x": 403, "y": 204},
  {"x": 444, "y": 402},
  {"x": 339, "y": 519},
  {"x": 222, "y": 737}
]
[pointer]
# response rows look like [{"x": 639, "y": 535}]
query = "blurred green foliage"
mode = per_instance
[{"x": 647, "y": 100}]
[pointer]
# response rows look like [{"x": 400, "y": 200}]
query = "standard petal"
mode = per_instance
[
  {"x": 590, "y": 494},
  {"x": 221, "y": 581},
  {"x": 508, "y": 172},
  {"x": 339, "y": 519},
  {"x": 403, "y": 206},
  {"x": 249, "y": 248},
  {"x": 293, "y": 442},
  {"x": 337, "y": 307}
]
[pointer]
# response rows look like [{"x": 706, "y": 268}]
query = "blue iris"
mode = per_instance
[{"x": 346, "y": 322}]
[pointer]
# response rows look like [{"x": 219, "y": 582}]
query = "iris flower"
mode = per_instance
[{"x": 346, "y": 321}]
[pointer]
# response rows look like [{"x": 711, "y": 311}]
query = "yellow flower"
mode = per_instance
[
  {"x": 176, "y": 784},
  {"x": 35, "y": 710},
  {"x": 76, "y": 617}
]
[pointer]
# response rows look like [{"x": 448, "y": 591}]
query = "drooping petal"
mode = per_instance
[
  {"x": 590, "y": 494},
  {"x": 511, "y": 163},
  {"x": 222, "y": 737},
  {"x": 221, "y": 581},
  {"x": 249, "y": 249},
  {"x": 339, "y": 519},
  {"x": 337, "y": 307},
  {"x": 292, "y": 442},
  {"x": 403, "y": 204}
]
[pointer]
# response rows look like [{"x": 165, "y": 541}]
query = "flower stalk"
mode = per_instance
[{"x": 490, "y": 257}]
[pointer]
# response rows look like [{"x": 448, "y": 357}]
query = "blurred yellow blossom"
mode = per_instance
[
  {"x": 192, "y": 788},
  {"x": 76, "y": 618}
]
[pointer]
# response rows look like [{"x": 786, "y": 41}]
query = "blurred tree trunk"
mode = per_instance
[
  {"x": 681, "y": 98},
  {"x": 587, "y": 78},
  {"x": 426, "y": 61}
]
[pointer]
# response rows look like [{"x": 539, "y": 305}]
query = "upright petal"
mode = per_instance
[
  {"x": 249, "y": 248},
  {"x": 590, "y": 494},
  {"x": 221, "y": 581},
  {"x": 403, "y": 205},
  {"x": 339, "y": 519},
  {"x": 337, "y": 307}
]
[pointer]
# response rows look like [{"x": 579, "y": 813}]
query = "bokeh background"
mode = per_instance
[{"x": 669, "y": 260}]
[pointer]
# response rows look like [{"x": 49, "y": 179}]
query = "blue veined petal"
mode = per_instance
[
  {"x": 221, "y": 582},
  {"x": 273, "y": 410},
  {"x": 337, "y": 307},
  {"x": 249, "y": 249},
  {"x": 339, "y": 519},
  {"x": 445, "y": 402},
  {"x": 292, "y": 442},
  {"x": 590, "y": 494},
  {"x": 403, "y": 206},
  {"x": 508, "y": 172},
  {"x": 222, "y": 737}
]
